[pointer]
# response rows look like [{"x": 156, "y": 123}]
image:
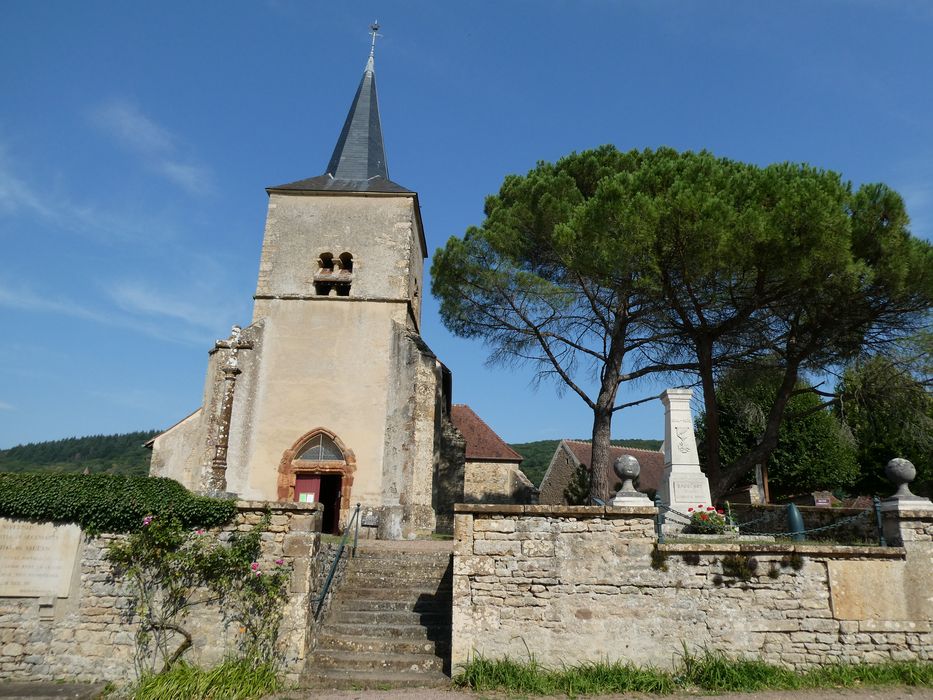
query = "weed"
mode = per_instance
[
  {"x": 709, "y": 671},
  {"x": 739, "y": 567},
  {"x": 232, "y": 680},
  {"x": 658, "y": 560}
]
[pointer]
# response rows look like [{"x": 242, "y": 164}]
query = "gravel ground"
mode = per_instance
[{"x": 439, "y": 694}]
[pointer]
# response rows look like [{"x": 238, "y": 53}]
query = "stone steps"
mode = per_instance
[
  {"x": 357, "y": 680},
  {"x": 374, "y": 601},
  {"x": 409, "y": 632},
  {"x": 389, "y": 617},
  {"x": 378, "y": 660},
  {"x": 388, "y": 624},
  {"x": 385, "y": 644}
]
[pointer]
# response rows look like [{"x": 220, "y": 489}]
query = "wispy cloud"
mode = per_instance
[
  {"x": 192, "y": 308},
  {"x": 18, "y": 197},
  {"x": 159, "y": 149},
  {"x": 22, "y": 298},
  {"x": 4, "y": 406}
]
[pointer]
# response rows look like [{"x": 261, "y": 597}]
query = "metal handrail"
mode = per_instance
[{"x": 354, "y": 525}]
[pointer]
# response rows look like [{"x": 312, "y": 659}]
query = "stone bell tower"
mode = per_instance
[{"x": 331, "y": 394}]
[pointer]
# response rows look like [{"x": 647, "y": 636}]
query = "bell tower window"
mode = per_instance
[{"x": 334, "y": 275}]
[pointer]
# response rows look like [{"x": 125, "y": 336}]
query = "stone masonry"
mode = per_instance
[
  {"x": 89, "y": 636},
  {"x": 576, "y": 584}
]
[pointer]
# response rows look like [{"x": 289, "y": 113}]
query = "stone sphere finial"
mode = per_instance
[
  {"x": 901, "y": 472},
  {"x": 627, "y": 468}
]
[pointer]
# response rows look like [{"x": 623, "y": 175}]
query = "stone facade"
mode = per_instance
[
  {"x": 575, "y": 584},
  {"x": 497, "y": 482},
  {"x": 89, "y": 636},
  {"x": 352, "y": 367}
]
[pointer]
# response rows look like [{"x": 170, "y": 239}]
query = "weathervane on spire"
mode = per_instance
[{"x": 373, "y": 28}]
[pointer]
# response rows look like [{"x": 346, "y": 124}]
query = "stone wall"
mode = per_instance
[
  {"x": 575, "y": 584},
  {"x": 89, "y": 636}
]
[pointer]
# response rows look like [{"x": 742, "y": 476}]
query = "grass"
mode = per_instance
[
  {"x": 710, "y": 671},
  {"x": 232, "y": 680}
]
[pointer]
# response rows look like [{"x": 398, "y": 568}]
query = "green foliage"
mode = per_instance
[
  {"x": 813, "y": 450},
  {"x": 114, "y": 454},
  {"x": 717, "y": 672},
  {"x": 510, "y": 676},
  {"x": 577, "y": 492},
  {"x": 587, "y": 267},
  {"x": 232, "y": 680},
  {"x": 105, "y": 502},
  {"x": 890, "y": 414},
  {"x": 710, "y": 671},
  {"x": 537, "y": 455},
  {"x": 165, "y": 563}
]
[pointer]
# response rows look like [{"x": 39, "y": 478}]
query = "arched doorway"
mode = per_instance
[{"x": 319, "y": 468}]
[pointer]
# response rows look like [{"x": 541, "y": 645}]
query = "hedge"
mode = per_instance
[{"x": 107, "y": 502}]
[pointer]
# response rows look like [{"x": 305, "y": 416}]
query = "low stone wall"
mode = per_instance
[
  {"x": 575, "y": 584},
  {"x": 89, "y": 635}
]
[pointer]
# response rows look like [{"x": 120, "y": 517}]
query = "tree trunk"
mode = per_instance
[
  {"x": 711, "y": 406},
  {"x": 769, "y": 438},
  {"x": 599, "y": 461},
  {"x": 602, "y": 411}
]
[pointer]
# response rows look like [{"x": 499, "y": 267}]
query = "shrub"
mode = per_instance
[{"x": 107, "y": 502}]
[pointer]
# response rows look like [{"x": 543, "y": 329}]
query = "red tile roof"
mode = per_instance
[
  {"x": 651, "y": 461},
  {"x": 482, "y": 443}
]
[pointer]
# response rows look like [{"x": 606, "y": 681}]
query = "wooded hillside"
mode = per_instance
[{"x": 114, "y": 454}]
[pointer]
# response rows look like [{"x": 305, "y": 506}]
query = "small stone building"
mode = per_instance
[
  {"x": 570, "y": 455},
  {"x": 330, "y": 394},
  {"x": 491, "y": 471}
]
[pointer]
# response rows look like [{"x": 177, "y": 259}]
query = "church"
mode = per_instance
[{"x": 330, "y": 394}]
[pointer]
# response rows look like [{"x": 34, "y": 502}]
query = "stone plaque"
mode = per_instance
[
  {"x": 37, "y": 559},
  {"x": 691, "y": 491}
]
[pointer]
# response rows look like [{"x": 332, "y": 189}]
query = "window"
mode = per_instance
[
  {"x": 321, "y": 449},
  {"x": 334, "y": 275}
]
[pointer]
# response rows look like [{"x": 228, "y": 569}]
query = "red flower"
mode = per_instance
[
  {"x": 721, "y": 511},
  {"x": 710, "y": 508},
  {"x": 704, "y": 516},
  {"x": 689, "y": 510}
]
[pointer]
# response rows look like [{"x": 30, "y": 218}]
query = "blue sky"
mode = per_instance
[{"x": 136, "y": 140}]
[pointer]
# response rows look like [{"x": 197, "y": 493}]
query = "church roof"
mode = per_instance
[
  {"x": 358, "y": 163},
  {"x": 482, "y": 443}
]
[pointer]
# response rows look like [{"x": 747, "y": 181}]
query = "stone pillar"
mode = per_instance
[
  {"x": 216, "y": 478},
  {"x": 907, "y": 518},
  {"x": 683, "y": 484}
]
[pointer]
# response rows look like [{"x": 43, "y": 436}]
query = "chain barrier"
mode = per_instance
[
  {"x": 812, "y": 530},
  {"x": 665, "y": 512}
]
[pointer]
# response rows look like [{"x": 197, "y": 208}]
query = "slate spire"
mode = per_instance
[
  {"x": 360, "y": 153},
  {"x": 358, "y": 163}
]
